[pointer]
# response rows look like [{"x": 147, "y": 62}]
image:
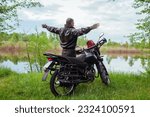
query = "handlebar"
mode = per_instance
[{"x": 99, "y": 44}]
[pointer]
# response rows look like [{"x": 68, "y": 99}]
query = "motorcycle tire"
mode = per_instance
[
  {"x": 58, "y": 88},
  {"x": 103, "y": 74}
]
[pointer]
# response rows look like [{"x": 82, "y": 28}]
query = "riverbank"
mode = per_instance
[
  {"x": 20, "y": 47},
  {"x": 124, "y": 86}
]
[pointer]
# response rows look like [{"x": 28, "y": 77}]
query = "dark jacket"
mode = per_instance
[{"x": 68, "y": 36}]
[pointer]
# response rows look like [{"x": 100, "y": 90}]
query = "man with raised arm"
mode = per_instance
[{"x": 68, "y": 36}]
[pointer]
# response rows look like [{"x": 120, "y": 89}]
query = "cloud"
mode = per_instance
[
  {"x": 42, "y": 13},
  {"x": 116, "y": 18}
]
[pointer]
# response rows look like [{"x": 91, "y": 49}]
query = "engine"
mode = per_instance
[{"x": 90, "y": 74}]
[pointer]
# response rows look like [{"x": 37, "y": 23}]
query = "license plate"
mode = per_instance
[{"x": 46, "y": 65}]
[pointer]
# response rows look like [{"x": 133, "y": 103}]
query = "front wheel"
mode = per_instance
[
  {"x": 103, "y": 73},
  {"x": 58, "y": 88}
]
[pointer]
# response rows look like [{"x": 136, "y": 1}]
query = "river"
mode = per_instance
[{"x": 115, "y": 63}]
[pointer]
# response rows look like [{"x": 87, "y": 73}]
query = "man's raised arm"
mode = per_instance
[
  {"x": 83, "y": 31},
  {"x": 51, "y": 29}
]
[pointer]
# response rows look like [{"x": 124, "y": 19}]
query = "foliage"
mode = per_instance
[
  {"x": 143, "y": 25},
  {"x": 36, "y": 45},
  {"x": 112, "y": 43},
  {"x": 4, "y": 36},
  {"x": 8, "y": 12},
  {"x": 82, "y": 41},
  {"x": 138, "y": 41},
  {"x": 147, "y": 68}
]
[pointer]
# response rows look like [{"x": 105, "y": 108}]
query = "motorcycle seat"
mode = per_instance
[{"x": 79, "y": 61}]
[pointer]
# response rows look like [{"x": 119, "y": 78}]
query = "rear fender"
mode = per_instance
[{"x": 47, "y": 70}]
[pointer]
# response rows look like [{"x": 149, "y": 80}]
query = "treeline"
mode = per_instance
[
  {"x": 132, "y": 43},
  {"x": 51, "y": 41},
  {"x": 51, "y": 38},
  {"x": 15, "y": 37}
]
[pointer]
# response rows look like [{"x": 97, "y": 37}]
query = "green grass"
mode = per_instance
[
  {"x": 29, "y": 86},
  {"x": 4, "y": 72}
]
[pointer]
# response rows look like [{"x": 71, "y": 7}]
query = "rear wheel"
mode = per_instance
[{"x": 58, "y": 88}]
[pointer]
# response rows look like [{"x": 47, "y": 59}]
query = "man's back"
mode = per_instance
[{"x": 68, "y": 35}]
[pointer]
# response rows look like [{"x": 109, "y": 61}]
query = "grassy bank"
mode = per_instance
[{"x": 29, "y": 86}]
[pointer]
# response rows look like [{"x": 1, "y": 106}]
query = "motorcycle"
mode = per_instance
[{"x": 68, "y": 72}]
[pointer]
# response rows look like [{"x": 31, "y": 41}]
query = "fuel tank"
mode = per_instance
[{"x": 90, "y": 58}]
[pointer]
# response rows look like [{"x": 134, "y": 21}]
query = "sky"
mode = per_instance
[{"x": 117, "y": 19}]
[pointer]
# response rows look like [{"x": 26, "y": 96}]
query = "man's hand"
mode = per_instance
[
  {"x": 44, "y": 26},
  {"x": 94, "y": 26}
]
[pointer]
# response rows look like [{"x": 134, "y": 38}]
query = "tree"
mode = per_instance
[
  {"x": 8, "y": 12},
  {"x": 143, "y": 24}
]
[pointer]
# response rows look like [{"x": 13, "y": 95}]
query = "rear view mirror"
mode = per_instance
[{"x": 102, "y": 34}]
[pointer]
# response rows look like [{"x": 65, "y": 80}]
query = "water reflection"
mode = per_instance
[
  {"x": 125, "y": 64},
  {"x": 20, "y": 67},
  {"x": 134, "y": 64}
]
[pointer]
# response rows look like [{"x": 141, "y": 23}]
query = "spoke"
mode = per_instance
[{"x": 57, "y": 86}]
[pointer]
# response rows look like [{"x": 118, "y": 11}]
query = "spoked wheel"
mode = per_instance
[
  {"x": 103, "y": 73},
  {"x": 58, "y": 88}
]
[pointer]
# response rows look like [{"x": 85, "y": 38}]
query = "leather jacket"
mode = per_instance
[{"x": 68, "y": 35}]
